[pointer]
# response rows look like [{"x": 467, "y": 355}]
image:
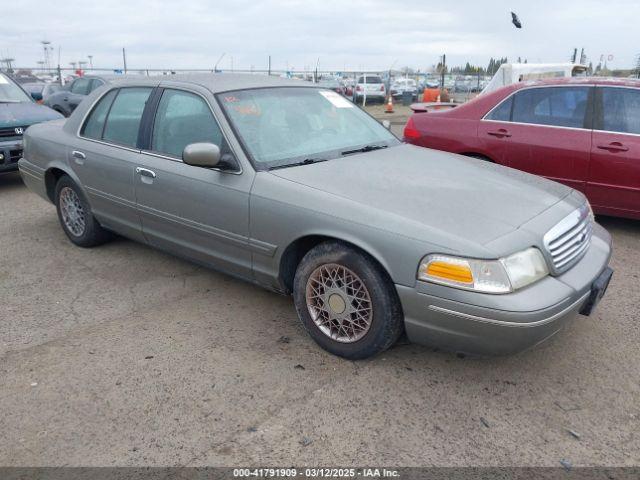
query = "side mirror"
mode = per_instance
[
  {"x": 386, "y": 124},
  {"x": 37, "y": 96},
  {"x": 201, "y": 155}
]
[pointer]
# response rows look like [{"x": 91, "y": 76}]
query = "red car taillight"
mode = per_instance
[
  {"x": 358, "y": 88},
  {"x": 382, "y": 88},
  {"x": 411, "y": 133}
]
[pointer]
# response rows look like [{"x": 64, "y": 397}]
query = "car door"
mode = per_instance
[
  {"x": 494, "y": 131},
  {"x": 550, "y": 133},
  {"x": 196, "y": 212},
  {"x": 614, "y": 177},
  {"x": 106, "y": 155}
]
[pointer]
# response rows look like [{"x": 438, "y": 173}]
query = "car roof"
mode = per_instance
[
  {"x": 615, "y": 81},
  {"x": 215, "y": 82}
]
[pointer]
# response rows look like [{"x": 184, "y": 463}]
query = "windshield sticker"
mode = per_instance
[
  {"x": 247, "y": 110},
  {"x": 335, "y": 99}
]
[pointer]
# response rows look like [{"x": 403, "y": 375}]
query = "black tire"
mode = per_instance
[
  {"x": 386, "y": 321},
  {"x": 479, "y": 157},
  {"x": 60, "y": 111},
  {"x": 92, "y": 234}
]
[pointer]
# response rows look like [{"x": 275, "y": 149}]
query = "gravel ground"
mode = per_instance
[{"x": 122, "y": 355}]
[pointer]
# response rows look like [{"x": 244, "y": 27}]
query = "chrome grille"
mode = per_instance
[
  {"x": 11, "y": 132},
  {"x": 568, "y": 241}
]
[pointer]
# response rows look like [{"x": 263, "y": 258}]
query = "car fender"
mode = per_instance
[{"x": 65, "y": 168}]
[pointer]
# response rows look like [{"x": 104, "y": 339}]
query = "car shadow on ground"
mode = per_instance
[
  {"x": 10, "y": 180},
  {"x": 627, "y": 225}
]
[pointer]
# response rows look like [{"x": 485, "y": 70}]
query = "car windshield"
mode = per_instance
[
  {"x": 10, "y": 92},
  {"x": 370, "y": 80},
  {"x": 286, "y": 126}
]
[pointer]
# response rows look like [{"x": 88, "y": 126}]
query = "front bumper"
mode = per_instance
[
  {"x": 481, "y": 324},
  {"x": 372, "y": 95},
  {"x": 10, "y": 153}
]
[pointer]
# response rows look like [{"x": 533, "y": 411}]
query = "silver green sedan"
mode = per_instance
[{"x": 293, "y": 187}]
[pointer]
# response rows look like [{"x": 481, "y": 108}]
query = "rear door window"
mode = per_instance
[
  {"x": 620, "y": 110},
  {"x": 125, "y": 115},
  {"x": 94, "y": 125},
  {"x": 502, "y": 113},
  {"x": 95, "y": 83},
  {"x": 81, "y": 86},
  {"x": 556, "y": 106}
]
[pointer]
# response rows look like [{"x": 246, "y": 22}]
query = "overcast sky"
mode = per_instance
[{"x": 347, "y": 34}]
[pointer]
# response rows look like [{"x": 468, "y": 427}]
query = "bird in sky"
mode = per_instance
[{"x": 515, "y": 20}]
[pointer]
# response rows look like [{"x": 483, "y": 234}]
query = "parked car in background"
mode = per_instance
[
  {"x": 17, "y": 112},
  {"x": 69, "y": 97},
  {"x": 583, "y": 132},
  {"x": 370, "y": 86},
  {"x": 293, "y": 187},
  {"x": 40, "y": 91},
  {"x": 332, "y": 84},
  {"x": 349, "y": 84},
  {"x": 401, "y": 86}
]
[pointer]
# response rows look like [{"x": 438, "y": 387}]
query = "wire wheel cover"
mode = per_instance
[
  {"x": 72, "y": 211},
  {"x": 339, "y": 303}
]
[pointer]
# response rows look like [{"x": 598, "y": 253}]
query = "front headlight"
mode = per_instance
[
  {"x": 488, "y": 276},
  {"x": 591, "y": 214}
]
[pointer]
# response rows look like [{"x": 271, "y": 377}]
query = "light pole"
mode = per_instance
[
  {"x": 45, "y": 47},
  {"x": 7, "y": 61},
  {"x": 90, "y": 57}
]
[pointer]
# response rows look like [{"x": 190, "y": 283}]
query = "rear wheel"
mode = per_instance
[
  {"x": 479, "y": 157},
  {"x": 75, "y": 215},
  {"x": 346, "y": 301}
]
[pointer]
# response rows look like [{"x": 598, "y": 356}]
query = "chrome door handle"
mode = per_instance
[
  {"x": 145, "y": 172},
  {"x": 78, "y": 157}
]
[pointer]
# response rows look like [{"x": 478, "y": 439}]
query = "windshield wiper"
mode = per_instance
[
  {"x": 306, "y": 161},
  {"x": 366, "y": 148}
]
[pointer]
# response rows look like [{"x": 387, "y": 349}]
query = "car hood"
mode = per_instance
[
  {"x": 24, "y": 114},
  {"x": 459, "y": 196}
]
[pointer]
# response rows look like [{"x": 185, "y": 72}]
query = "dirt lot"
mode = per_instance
[{"x": 122, "y": 355}]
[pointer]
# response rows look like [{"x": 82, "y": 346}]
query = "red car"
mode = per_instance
[{"x": 584, "y": 132}]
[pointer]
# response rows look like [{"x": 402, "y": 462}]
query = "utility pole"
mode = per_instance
[
  {"x": 124, "y": 60},
  {"x": 90, "y": 57},
  {"x": 443, "y": 68},
  {"x": 215, "y": 67},
  {"x": 269, "y": 68}
]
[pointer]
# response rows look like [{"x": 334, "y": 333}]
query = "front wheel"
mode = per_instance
[
  {"x": 75, "y": 215},
  {"x": 346, "y": 301}
]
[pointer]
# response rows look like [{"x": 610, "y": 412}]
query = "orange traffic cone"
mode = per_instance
[{"x": 389, "y": 107}]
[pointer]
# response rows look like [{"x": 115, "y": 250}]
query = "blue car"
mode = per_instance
[{"x": 17, "y": 112}]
